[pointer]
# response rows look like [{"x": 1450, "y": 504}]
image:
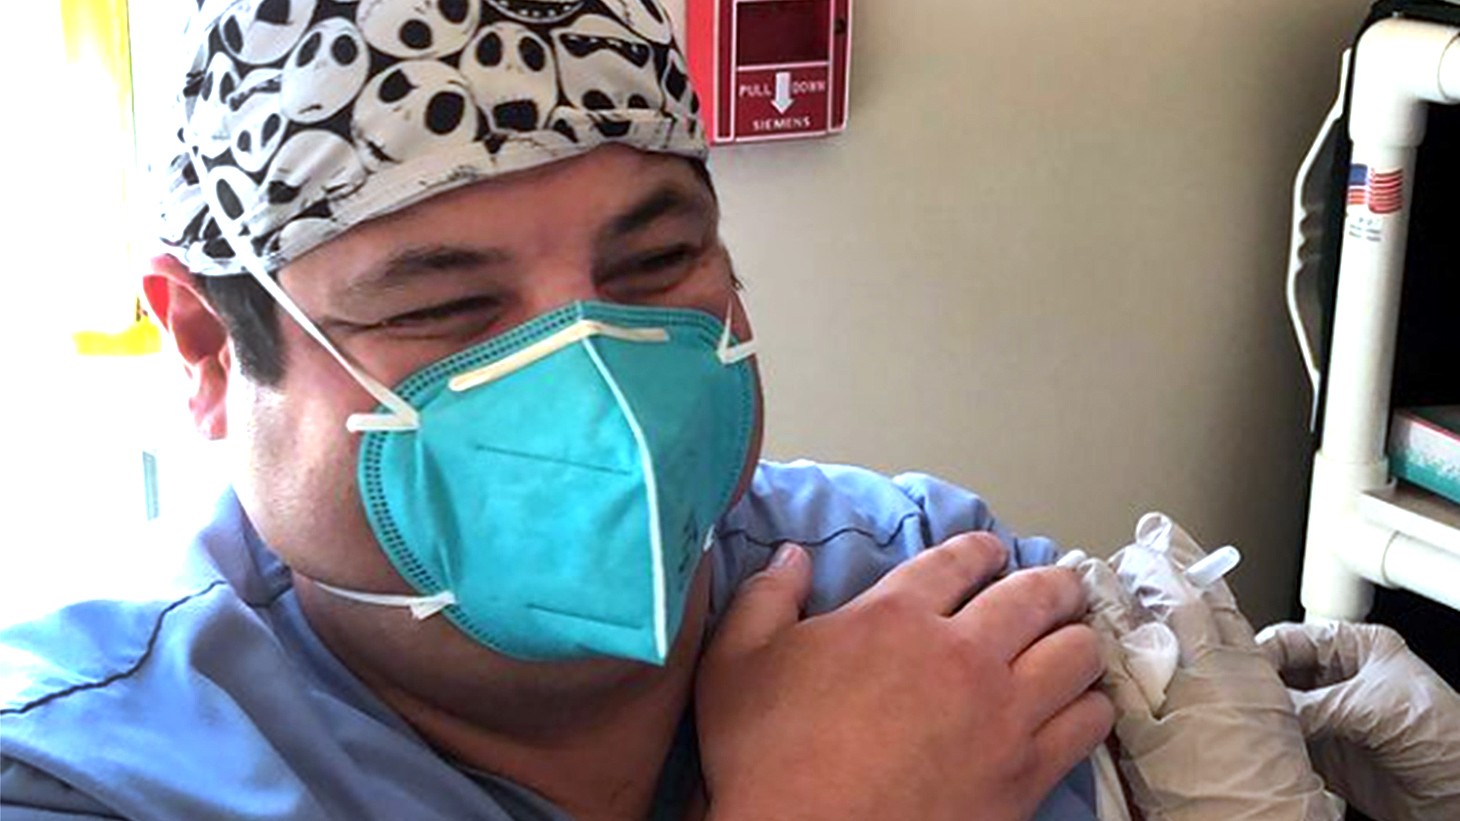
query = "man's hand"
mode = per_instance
[{"x": 912, "y": 701}]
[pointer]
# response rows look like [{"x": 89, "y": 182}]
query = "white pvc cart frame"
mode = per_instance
[{"x": 1362, "y": 528}]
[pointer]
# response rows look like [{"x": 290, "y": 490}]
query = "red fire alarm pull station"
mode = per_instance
[{"x": 770, "y": 69}]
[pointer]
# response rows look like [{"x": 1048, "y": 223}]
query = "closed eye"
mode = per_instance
[
  {"x": 438, "y": 313},
  {"x": 655, "y": 271},
  {"x": 665, "y": 259}
]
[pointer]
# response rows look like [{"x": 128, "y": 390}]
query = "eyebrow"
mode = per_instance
[
  {"x": 401, "y": 268},
  {"x": 669, "y": 200}
]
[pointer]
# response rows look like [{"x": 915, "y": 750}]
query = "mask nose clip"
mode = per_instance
[{"x": 571, "y": 335}]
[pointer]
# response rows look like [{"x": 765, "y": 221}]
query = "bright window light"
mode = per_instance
[{"x": 98, "y": 444}]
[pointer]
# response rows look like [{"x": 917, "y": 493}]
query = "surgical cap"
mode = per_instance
[{"x": 307, "y": 117}]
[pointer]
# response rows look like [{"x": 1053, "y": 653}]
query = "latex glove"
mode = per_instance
[
  {"x": 1383, "y": 728},
  {"x": 1223, "y": 742}
]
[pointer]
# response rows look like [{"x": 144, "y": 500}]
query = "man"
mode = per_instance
[{"x": 499, "y": 545}]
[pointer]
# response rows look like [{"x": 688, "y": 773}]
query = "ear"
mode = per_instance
[{"x": 200, "y": 337}]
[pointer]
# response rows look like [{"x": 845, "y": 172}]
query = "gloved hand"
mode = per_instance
[
  {"x": 1383, "y": 728},
  {"x": 1222, "y": 742}
]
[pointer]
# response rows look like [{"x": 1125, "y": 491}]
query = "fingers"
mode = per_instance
[
  {"x": 1158, "y": 583},
  {"x": 1233, "y": 627},
  {"x": 1314, "y": 661},
  {"x": 1057, "y": 669},
  {"x": 1070, "y": 735},
  {"x": 1333, "y": 712},
  {"x": 1118, "y": 620},
  {"x": 1015, "y": 612},
  {"x": 1293, "y": 650},
  {"x": 1309, "y": 656},
  {"x": 1156, "y": 565},
  {"x": 767, "y": 603},
  {"x": 1182, "y": 548},
  {"x": 941, "y": 579},
  {"x": 1196, "y": 630},
  {"x": 1111, "y": 606},
  {"x": 1124, "y": 689},
  {"x": 1157, "y": 533}
]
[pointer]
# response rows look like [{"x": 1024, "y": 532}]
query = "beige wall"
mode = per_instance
[{"x": 1046, "y": 261}]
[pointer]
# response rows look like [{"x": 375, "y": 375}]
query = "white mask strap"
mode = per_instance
[
  {"x": 731, "y": 354},
  {"x": 421, "y": 607},
  {"x": 402, "y": 416}
]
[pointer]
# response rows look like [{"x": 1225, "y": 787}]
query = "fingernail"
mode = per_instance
[{"x": 785, "y": 554}]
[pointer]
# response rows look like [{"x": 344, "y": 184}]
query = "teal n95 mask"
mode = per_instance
[{"x": 564, "y": 479}]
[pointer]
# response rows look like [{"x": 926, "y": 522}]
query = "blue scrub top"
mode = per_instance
[{"x": 211, "y": 697}]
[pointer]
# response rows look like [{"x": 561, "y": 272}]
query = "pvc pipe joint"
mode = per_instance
[
  {"x": 1401, "y": 65},
  {"x": 1345, "y": 552},
  {"x": 1450, "y": 72},
  {"x": 1423, "y": 568}
]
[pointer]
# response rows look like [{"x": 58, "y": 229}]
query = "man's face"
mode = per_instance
[{"x": 402, "y": 292}]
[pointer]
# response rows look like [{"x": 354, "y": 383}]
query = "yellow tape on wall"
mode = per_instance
[
  {"x": 96, "y": 35},
  {"x": 98, "y": 48}
]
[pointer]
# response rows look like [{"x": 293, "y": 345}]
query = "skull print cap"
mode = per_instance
[{"x": 299, "y": 119}]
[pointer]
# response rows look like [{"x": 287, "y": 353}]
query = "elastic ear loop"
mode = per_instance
[
  {"x": 403, "y": 417},
  {"x": 731, "y": 354},
  {"x": 421, "y": 607}
]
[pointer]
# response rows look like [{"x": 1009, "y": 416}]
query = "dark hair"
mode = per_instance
[
  {"x": 252, "y": 317},
  {"x": 252, "y": 320}
]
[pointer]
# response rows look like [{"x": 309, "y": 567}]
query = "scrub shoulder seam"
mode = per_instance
[
  {"x": 118, "y": 676},
  {"x": 836, "y": 534}
]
